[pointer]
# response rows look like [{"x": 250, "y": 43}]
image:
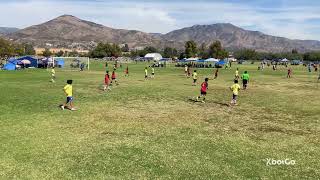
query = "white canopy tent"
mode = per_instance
[
  {"x": 153, "y": 56},
  {"x": 192, "y": 59},
  {"x": 212, "y": 60}
]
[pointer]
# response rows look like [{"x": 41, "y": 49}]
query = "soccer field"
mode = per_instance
[{"x": 151, "y": 129}]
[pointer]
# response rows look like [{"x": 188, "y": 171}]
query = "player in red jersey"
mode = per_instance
[
  {"x": 203, "y": 91},
  {"x": 106, "y": 81},
  {"x": 114, "y": 77}
]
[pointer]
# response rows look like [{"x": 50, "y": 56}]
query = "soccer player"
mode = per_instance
[
  {"x": 235, "y": 88},
  {"x": 216, "y": 73},
  {"x": 203, "y": 91},
  {"x": 114, "y": 77},
  {"x": 69, "y": 92},
  {"x": 237, "y": 74},
  {"x": 245, "y": 79},
  {"x": 146, "y": 73},
  {"x": 289, "y": 73},
  {"x": 53, "y": 75},
  {"x": 186, "y": 70},
  {"x": 107, "y": 82},
  {"x": 195, "y": 77},
  {"x": 152, "y": 73},
  {"x": 189, "y": 72},
  {"x": 126, "y": 72}
]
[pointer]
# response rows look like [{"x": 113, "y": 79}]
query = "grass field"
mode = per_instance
[{"x": 151, "y": 130}]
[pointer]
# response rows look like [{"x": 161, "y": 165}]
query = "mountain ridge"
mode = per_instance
[{"x": 70, "y": 31}]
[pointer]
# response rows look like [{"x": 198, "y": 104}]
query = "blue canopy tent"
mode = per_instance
[
  {"x": 9, "y": 66},
  {"x": 60, "y": 63},
  {"x": 200, "y": 61},
  {"x": 221, "y": 63},
  {"x": 34, "y": 61}
]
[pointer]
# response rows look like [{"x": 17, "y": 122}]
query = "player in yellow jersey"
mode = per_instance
[
  {"x": 53, "y": 75},
  {"x": 235, "y": 88},
  {"x": 69, "y": 93}
]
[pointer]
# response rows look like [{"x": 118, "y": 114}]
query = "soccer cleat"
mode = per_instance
[
  {"x": 73, "y": 109},
  {"x": 62, "y": 107}
]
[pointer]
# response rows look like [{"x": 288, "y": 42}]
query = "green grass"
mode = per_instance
[{"x": 150, "y": 129}]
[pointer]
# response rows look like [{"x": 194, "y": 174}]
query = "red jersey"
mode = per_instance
[
  {"x": 113, "y": 75},
  {"x": 127, "y": 71},
  {"x": 106, "y": 78},
  {"x": 204, "y": 87}
]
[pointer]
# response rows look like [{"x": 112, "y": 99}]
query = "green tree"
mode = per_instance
[
  {"x": 191, "y": 49},
  {"x": 60, "y": 53},
  {"x": 6, "y": 48},
  {"x": 46, "y": 53},
  {"x": 169, "y": 52},
  {"x": 203, "y": 51},
  {"x": 125, "y": 48},
  {"x": 246, "y": 54},
  {"x": 29, "y": 50},
  {"x": 216, "y": 51}
]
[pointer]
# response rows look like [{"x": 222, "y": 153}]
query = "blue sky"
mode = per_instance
[{"x": 295, "y": 19}]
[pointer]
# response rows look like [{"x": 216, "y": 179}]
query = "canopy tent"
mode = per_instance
[
  {"x": 221, "y": 63},
  {"x": 9, "y": 66},
  {"x": 192, "y": 59},
  {"x": 153, "y": 56},
  {"x": 284, "y": 60},
  {"x": 212, "y": 60},
  {"x": 200, "y": 61},
  {"x": 33, "y": 61},
  {"x": 60, "y": 63}
]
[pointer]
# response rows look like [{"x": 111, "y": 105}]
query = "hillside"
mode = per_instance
[
  {"x": 70, "y": 31},
  {"x": 233, "y": 37}
]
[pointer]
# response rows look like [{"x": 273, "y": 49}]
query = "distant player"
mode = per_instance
[
  {"x": 235, "y": 88},
  {"x": 245, "y": 79},
  {"x": 152, "y": 73},
  {"x": 53, "y": 75},
  {"x": 69, "y": 92},
  {"x": 216, "y": 73},
  {"x": 203, "y": 91},
  {"x": 126, "y": 72},
  {"x": 237, "y": 77},
  {"x": 195, "y": 77},
  {"x": 146, "y": 73},
  {"x": 189, "y": 72},
  {"x": 289, "y": 73},
  {"x": 107, "y": 82},
  {"x": 186, "y": 70},
  {"x": 114, "y": 77}
]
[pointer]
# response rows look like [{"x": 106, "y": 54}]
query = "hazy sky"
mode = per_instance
[{"x": 296, "y": 19}]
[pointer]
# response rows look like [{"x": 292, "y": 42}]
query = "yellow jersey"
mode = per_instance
[
  {"x": 237, "y": 73},
  {"x": 195, "y": 75},
  {"x": 53, "y": 72},
  {"x": 235, "y": 89},
  {"x": 68, "y": 90}
]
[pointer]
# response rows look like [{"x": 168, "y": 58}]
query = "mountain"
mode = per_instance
[
  {"x": 233, "y": 37},
  {"x": 7, "y": 30},
  {"x": 69, "y": 31},
  {"x": 72, "y": 32}
]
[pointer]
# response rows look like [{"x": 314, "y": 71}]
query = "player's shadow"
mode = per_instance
[{"x": 221, "y": 104}]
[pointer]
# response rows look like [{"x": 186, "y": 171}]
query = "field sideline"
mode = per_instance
[{"x": 151, "y": 130}]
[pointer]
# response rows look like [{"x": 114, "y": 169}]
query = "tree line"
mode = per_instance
[
  {"x": 214, "y": 50},
  {"x": 250, "y": 54},
  {"x": 9, "y": 49}
]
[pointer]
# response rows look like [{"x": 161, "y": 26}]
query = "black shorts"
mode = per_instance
[
  {"x": 153, "y": 74},
  {"x": 146, "y": 76},
  {"x": 194, "y": 80},
  {"x": 203, "y": 93},
  {"x": 234, "y": 97},
  {"x": 245, "y": 82}
]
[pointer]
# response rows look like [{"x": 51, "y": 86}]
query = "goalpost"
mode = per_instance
[{"x": 72, "y": 63}]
